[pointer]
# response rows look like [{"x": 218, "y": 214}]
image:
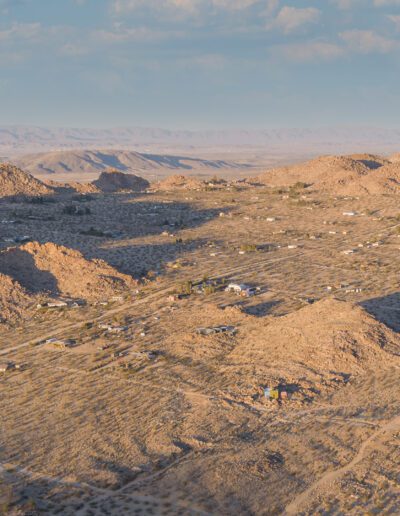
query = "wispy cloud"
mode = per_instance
[
  {"x": 395, "y": 18},
  {"x": 309, "y": 51},
  {"x": 20, "y": 31},
  {"x": 289, "y": 19},
  {"x": 383, "y": 3},
  {"x": 368, "y": 42},
  {"x": 120, "y": 34},
  {"x": 188, "y": 6}
]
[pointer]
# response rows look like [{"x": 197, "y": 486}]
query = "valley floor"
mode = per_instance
[{"x": 101, "y": 428}]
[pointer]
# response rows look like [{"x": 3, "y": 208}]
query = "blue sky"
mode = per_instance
[{"x": 200, "y": 63}]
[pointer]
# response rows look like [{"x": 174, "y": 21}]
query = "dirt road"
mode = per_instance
[{"x": 383, "y": 433}]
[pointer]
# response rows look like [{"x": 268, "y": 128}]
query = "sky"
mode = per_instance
[{"x": 200, "y": 64}]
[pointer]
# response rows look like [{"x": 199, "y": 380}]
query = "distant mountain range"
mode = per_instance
[
  {"x": 89, "y": 162},
  {"x": 24, "y": 139}
]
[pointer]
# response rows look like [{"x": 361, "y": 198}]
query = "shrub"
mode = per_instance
[{"x": 249, "y": 248}]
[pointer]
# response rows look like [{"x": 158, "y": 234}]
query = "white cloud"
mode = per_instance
[
  {"x": 368, "y": 41},
  {"x": 309, "y": 51},
  {"x": 120, "y": 34},
  {"x": 21, "y": 31},
  {"x": 290, "y": 19},
  {"x": 383, "y": 3},
  {"x": 395, "y": 18},
  {"x": 346, "y": 4},
  {"x": 185, "y": 6},
  {"x": 235, "y": 4}
]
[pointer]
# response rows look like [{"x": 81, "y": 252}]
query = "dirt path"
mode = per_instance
[{"x": 332, "y": 476}]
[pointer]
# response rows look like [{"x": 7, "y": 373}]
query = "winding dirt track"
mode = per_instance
[{"x": 332, "y": 476}]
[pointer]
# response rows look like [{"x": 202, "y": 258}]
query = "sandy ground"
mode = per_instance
[{"x": 101, "y": 428}]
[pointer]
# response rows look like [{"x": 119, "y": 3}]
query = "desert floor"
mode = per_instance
[{"x": 102, "y": 429}]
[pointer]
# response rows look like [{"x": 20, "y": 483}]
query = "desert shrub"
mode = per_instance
[
  {"x": 186, "y": 288},
  {"x": 299, "y": 186},
  {"x": 39, "y": 200},
  {"x": 71, "y": 209},
  {"x": 93, "y": 232},
  {"x": 302, "y": 203},
  {"x": 83, "y": 198},
  {"x": 209, "y": 289},
  {"x": 249, "y": 248}
]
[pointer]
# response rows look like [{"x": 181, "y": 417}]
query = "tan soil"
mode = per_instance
[{"x": 104, "y": 428}]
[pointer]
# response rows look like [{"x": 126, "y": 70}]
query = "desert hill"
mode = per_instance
[
  {"x": 115, "y": 181},
  {"x": 327, "y": 338},
  {"x": 15, "y": 182},
  {"x": 14, "y": 300},
  {"x": 343, "y": 175},
  {"x": 91, "y": 161},
  {"x": 318, "y": 346},
  {"x": 179, "y": 182},
  {"x": 73, "y": 186},
  {"x": 57, "y": 270}
]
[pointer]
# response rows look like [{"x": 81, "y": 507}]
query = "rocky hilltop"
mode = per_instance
[
  {"x": 55, "y": 270},
  {"x": 342, "y": 175},
  {"x": 16, "y": 182},
  {"x": 115, "y": 181}
]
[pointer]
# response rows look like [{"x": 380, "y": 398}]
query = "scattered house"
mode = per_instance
[
  {"x": 61, "y": 343},
  {"x": 6, "y": 366},
  {"x": 149, "y": 355},
  {"x": 349, "y": 251},
  {"x": 61, "y": 303},
  {"x": 116, "y": 299},
  {"x": 231, "y": 330},
  {"x": 349, "y": 213},
  {"x": 276, "y": 394},
  {"x": 242, "y": 289},
  {"x": 119, "y": 354},
  {"x": 57, "y": 304},
  {"x": 307, "y": 300},
  {"x": 112, "y": 329}
]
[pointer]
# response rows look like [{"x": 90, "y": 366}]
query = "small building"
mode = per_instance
[
  {"x": 231, "y": 330},
  {"x": 61, "y": 343},
  {"x": 242, "y": 290},
  {"x": 112, "y": 329},
  {"x": 6, "y": 366}
]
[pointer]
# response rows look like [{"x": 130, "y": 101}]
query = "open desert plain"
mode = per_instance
[{"x": 194, "y": 346}]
